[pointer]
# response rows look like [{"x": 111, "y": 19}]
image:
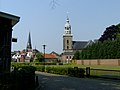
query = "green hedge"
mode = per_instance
[
  {"x": 19, "y": 64},
  {"x": 40, "y": 68},
  {"x": 24, "y": 77},
  {"x": 21, "y": 78},
  {"x": 57, "y": 70},
  {"x": 76, "y": 72},
  {"x": 34, "y": 63}
]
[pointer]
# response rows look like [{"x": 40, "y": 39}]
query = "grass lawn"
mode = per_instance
[
  {"x": 74, "y": 65},
  {"x": 91, "y": 66},
  {"x": 96, "y": 70}
]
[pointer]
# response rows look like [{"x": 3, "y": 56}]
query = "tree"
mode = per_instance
[
  {"x": 77, "y": 55},
  {"x": 111, "y": 33},
  {"x": 39, "y": 57}
]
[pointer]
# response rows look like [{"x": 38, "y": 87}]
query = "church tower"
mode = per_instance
[
  {"x": 29, "y": 45},
  {"x": 67, "y": 37}
]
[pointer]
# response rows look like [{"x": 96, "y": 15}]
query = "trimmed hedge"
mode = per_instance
[
  {"x": 44, "y": 63},
  {"x": 24, "y": 77},
  {"x": 40, "y": 68},
  {"x": 21, "y": 78},
  {"x": 34, "y": 63},
  {"x": 76, "y": 72}
]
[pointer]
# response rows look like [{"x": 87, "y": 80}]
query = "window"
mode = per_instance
[
  {"x": 67, "y": 47},
  {"x": 67, "y": 28},
  {"x": 67, "y": 41},
  {"x": 66, "y": 57}
]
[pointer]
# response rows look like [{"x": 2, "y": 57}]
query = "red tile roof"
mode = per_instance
[{"x": 50, "y": 56}]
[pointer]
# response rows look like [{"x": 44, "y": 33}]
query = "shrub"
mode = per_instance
[
  {"x": 40, "y": 68},
  {"x": 18, "y": 64},
  {"x": 77, "y": 72},
  {"x": 24, "y": 77}
]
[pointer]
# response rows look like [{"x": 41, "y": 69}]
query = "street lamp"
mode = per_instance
[{"x": 44, "y": 56}]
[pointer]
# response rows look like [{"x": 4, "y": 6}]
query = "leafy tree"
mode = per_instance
[
  {"x": 107, "y": 47},
  {"x": 110, "y": 33},
  {"x": 102, "y": 50},
  {"x": 76, "y": 55},
  {"x": 39, "y": 57}
]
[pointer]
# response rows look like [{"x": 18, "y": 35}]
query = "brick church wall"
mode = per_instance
[{"x": 113, "y": 62}]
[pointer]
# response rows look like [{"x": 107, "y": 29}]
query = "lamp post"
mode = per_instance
[{"x": 44, "y": 55}]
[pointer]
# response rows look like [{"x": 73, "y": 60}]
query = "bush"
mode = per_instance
[
  {"x": 22, "y": 78},
  {"x": 59, "y": 63},
  {"x": 25, "y": 77},
  {"x": 33, "y": 63},
  {"x": 76, "y": 72},
  {"x": 18, "y": 64},
  {"x": 40, "y": 68},
  {"x": 45, "y": 63}
]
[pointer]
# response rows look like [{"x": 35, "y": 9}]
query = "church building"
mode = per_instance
[{"x": 70, "y": 46}]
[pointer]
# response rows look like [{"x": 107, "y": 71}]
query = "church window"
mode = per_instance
[
  {"x": 66, "y": 57},
  {"x": 67, "y": 47},
  {"x": 67, "y": 41},
  {"x": 67, "y": 28}
]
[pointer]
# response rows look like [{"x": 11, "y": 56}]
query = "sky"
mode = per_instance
[{"x": 88, "y": 19}]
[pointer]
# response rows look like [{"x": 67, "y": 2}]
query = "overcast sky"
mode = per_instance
[{"x": 88, "y": 19}]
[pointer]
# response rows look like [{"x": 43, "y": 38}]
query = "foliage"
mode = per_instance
[
  {"x": 106, "y": 50},
  {"x": 39, "y": 57},
  {"x": 76, "y": 55},
  {"x": 110, "y": 33},
  {"x": 17, "y": 64},
  {"x": 79, "y": 72},
  {"x": 21, "y": 78},
  {"x": 45, "y": 63},
  {"x": 107, "y": 47},
  {"x": 24, "y": 77},
  {"x": 33, "y": 63},
  {"x": 76, "y": 72},
  {"x": 105, "y": 73},
  {"x": 40, "y": 68}
]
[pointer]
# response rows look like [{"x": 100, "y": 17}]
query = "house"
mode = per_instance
[
  {"x": 51, "y": 58},
  {"x": 26, "y": 55}
]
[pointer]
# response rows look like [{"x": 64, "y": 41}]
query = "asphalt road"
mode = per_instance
[{"x": 59, "y": 82}]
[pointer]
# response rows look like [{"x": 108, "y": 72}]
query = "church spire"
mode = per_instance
[
  {"x": 67, "y": 19},
  {"x": 67, "y": 29},
  {"x": 67, "y": 37},
  {"x": 29, "y": 45}
]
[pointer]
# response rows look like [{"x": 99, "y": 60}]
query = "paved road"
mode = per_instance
[{"x": 59, "y": 82}]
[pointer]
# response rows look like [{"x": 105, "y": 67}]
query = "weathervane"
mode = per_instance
[{"x": 67, "y": 16}]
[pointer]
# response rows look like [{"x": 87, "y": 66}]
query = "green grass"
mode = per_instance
[
  {"x": 76, "y": 65},
  {"x": 91, "y": 66},
  {"x": 96, "y": 70}
]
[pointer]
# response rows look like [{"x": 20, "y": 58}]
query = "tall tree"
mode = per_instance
[
  {"x": 110, "y": 33},
  {"x": 39, "y": 57},
  {"x": 77, "y": 55}
]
